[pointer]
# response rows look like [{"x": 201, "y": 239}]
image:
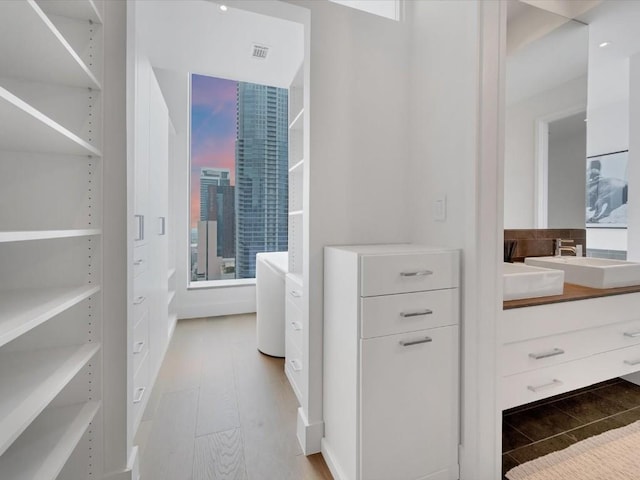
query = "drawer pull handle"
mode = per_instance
[
  {"x": 138, "y": 347},
  {"x": 138, "y": 262},
  {"x": 419, "y": 273},
  {"x": 139, "y": 395},
  {"x": 419, "y": 313},
  {"x": 635, "y": 334},
  {"x": 550, "y": 353},
  {"x": 296, "y": 326},
  {"x": 296, "y": 365},
  {"x": 139, "y": 300},
  {"x": 632, "y": 362},
  {"x": 295, "y": 293},
  {"x": 408, "y": 343},
  {"x": 139, "y": 227},
  {"x": 554, "y": 383}
]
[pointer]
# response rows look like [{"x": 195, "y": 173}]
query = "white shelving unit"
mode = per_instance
[
  {"x": 51, "y": 239},
  {"x": 296, "y": 172}
]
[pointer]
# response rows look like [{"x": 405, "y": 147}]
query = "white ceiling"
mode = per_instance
[{"x": 196, "y": 36}]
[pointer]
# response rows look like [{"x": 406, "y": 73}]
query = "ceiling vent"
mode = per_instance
[{"x": 260, "y": 51}]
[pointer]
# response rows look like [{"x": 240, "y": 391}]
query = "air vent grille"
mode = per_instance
[{"x": 260, "y": 51}]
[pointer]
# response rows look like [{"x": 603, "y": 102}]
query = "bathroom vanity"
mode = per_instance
[
  {"x": 556, "y": 344},
  {"x": 391, "y": 368}
]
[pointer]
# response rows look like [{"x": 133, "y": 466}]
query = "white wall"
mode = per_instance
[
  {"x": 633, "y": 252},
  {"x": 520, "y": 147},
  {"x": 566, "y": 173}
]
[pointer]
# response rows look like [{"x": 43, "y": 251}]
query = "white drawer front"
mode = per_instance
[
  {"x": 141, "y": 390},
  {"x": 294, "y": 325},
  {"x": 140, "y": 345},
  {"x": 387, "y": 274},
  {"x": 408, "y": 312},
  {"x": 140, "y": 260},
  {"x": 528, "y": 387},
  {"x": 543, "y": 352},
  {"x": 293, "y": 291},
  {"x": 296, "y": 371}
]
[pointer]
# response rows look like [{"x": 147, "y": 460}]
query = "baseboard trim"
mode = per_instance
[
  {"x": 335, "y": 470},
  {"x": 309, "y": 434},
  {"x": 215, "y": 309}
]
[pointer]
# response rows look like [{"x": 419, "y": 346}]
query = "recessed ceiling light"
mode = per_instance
[
  {"x": 604, "y": 44},
  {"x": 223, "y": 8}
]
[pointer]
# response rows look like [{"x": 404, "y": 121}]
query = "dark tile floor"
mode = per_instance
[{"x": 536, "y": 429}]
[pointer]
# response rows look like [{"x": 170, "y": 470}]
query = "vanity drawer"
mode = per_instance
[
  {"x": 295, "y": 324},
  {"x": 140, "y": 345},
  {"x": 546, "y": 351},
  {"x": 296, "y": 371},
  {"x": 140, "y": 260},
  {"x": 293, "y": 290},
  {"x": 408, "y": 312},
  {"x": 140, "y": 390},
  {"x": 528, "y": 387},
  {"x": 403, "y": 273}
]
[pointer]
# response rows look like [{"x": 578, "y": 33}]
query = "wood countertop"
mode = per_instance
[{"x": 571, "y": 293}]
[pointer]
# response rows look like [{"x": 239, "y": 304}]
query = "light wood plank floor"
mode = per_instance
[{"x": 222, "y": 410}]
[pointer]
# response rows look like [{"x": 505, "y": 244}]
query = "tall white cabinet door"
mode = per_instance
[{"x": 408, "y": 423}]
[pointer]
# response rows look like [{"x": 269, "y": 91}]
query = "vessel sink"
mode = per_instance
[
  {"x": 525, "y": 281},
  {"x": 592, "y": 272}
]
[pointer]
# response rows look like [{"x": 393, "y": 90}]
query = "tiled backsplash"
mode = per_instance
[{"x": 540, "y": 242}]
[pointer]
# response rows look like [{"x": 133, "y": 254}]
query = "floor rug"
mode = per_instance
[{"x": 613, "y": 455}]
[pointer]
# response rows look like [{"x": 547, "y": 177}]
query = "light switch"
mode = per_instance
[{"x": 440, "y": 209}]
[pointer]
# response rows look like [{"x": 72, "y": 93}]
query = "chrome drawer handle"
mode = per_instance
[
  {"x": 296, "y": 365},
  {"x": 632, "y": 362},
  {"x": 296, "y": 325},
  {"x": 550, "y": 353},
  {"x": 138, "y": 347},
  {"x": 635, "y": 334},
  {"x": 408, "y": 343},
  {"x": 554, "y": 383},
  {"x": 419, "y": 273},
  {"x": 139, "y": 300},
  {"x": 295, "y": 293},
  {"x": 138, "y": 262},
  {"x": 419, "y": 313},
  {"x": 139, "y": 227},
  {"x": 139, "y": 395}
]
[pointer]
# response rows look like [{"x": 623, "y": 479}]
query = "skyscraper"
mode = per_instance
[
  {"x": 261, "y": 174},
  {"x": 221, "y": 208},
  {"x": 211, "y": 176}
]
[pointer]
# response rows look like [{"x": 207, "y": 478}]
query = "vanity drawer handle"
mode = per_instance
[
  {"x": 635, "y": 334},
  {"x": 137, "y": 263},
  {"x": 408, "y": 343},
  {"x": 419, "y": 273},
  {"x": 139, "y": 395},
  {"x": 296, "y": 326},
  {"x": 550, "y": 353},
  {"x": 554, "y": 383},
  {"x": 419, "y": 313},
  {"x": 138, "y": 347},
  {"x": 139, "y": 300},
  {"x": 295, "y": 293},
  {"x": 632, "y": 362},
  {"x": 296, "y": 365}
]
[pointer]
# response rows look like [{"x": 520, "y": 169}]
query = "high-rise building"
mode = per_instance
[
  {"x": 221, "y": 208},
  {"x": 261, "y": 174},
  {"x": 211, "y": 176}
]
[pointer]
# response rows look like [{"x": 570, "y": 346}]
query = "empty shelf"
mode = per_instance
[
  {"x": 296, "y": 124},
  {"x": 24, "y": 235},
  {"x": 297, "y": 166},
  {"x": 23, "y": 128},
  {"x": 77, "y": 9},
  {"x": 171, "y": 296},
  {"x": 29, "y": 380},
  {"x": 23, "y": 310},
  {"x": 43, "y": 449},
  {"x": 32, "y": 47}
]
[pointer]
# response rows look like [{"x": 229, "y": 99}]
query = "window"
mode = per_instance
[{"x": 239, "y": 176}]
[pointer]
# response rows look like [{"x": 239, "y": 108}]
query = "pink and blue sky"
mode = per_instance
[{"x": 213, "y": 131}]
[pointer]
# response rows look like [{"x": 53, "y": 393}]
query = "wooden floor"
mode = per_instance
[{"x": 222, "y": 410}]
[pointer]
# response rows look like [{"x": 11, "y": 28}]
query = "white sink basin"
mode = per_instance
[
  {"x": 592, "y": 272},
  {"x": 524, "y": 281}
]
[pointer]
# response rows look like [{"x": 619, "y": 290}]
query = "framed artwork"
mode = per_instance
[{"x": 607, "y": 190}]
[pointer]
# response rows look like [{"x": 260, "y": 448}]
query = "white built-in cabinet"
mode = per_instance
[
  {"x": 151, "y": 318},
  {"x": 51, "y": 343},
  {"x": 391, "y": 359}
]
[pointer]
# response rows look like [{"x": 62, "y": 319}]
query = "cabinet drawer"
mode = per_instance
[
  {"x": 528, "y": 387},
  {"x": 296, "y": 371},
  {"x": 294, "y": 290},
  {"x": 546, "y": 351},
  {"x": 408, "y": 404},
  {"x": 407, "y": 312},
  {"x": 403, "y": 273},
  {"x": 140, "y": 390},
  {"x": 294, "y": 325},
  {"x": 140, "y": 260},
  {"x": 140, "y": 345}
]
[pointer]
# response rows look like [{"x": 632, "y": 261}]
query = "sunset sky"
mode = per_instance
[{"x": 213, "y": 131}]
